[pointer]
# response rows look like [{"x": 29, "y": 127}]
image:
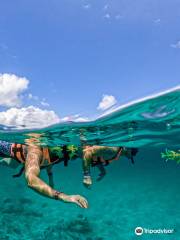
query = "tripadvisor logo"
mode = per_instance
[{"x": 139, "y": 231}]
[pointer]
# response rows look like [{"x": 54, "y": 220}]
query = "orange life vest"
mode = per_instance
[{"x": 18, "y": 153}]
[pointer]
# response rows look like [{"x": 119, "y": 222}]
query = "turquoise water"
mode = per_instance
[{"x": 145, "y": 194}]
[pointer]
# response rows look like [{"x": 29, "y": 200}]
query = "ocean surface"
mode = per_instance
[{"x": 145, "y": 194}]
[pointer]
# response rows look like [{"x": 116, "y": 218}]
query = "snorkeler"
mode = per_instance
[
  {"x": 33, "y": 158},
  {"x": 101, "y": 156}
]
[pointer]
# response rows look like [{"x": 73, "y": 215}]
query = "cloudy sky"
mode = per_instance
[{"x": 76, "y": 59}]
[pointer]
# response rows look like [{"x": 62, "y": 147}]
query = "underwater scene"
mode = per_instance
[{"x": 144, "y": 194}]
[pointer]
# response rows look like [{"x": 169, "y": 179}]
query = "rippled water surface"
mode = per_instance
[{"x": 145, "y": 194}]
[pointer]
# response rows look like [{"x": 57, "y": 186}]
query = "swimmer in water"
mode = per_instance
[
  {"x": 101, "y": 156},
  {"x": 34, "y": 158}
]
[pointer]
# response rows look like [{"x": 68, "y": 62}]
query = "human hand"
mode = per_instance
[
  {"x": 87, "y": 181},
  {"x": 77, "y": 199}
]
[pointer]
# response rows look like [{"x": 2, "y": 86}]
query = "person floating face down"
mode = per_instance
[
  {"x": 101, "y": 156},
  {"x": 34, "y": 158}
]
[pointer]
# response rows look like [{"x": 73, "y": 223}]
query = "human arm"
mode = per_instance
[
  {"x": 92, "y": 153},
  {"x": 86, "y": 163},
  {"x": 99, "y": 155},
  {"x": 32, "y": 171}
]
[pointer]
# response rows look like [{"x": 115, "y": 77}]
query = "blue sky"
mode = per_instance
[{"x": 73, "y": 52}]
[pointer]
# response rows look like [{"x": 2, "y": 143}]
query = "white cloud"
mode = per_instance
[
  {"x": 33, "y": 97},
  {"x": 36, "y": 98},
  {"x": 29, "y": 117},
  {"x": 87, "y": 6},
  {"x": 75, "y": 118},
  {"x": 107, "y": 16},
  {"x": 81, "y": 119},
  {"x": 106, "y": 7},
  {"x": 44, "y": 103},
  {"x": 176, "y": 45},
  {"x": 106, "y": 102},
  {"x": 11, "y": 86}
]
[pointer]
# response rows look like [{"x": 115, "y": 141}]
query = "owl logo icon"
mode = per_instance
[{"x": 139, "y": 231}]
